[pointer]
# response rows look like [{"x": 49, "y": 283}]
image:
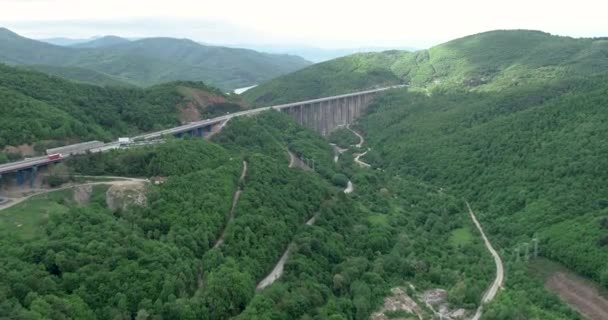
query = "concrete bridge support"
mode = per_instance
[
  {"x": 326, "y": 115},
  {"x": 20, "y": 177}
]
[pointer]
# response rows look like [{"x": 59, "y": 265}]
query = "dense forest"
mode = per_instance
[
  {"x": 487, "y": 61},
  {"x": 37, "y": 108},
  {"x": 148, "y": 62},
  {"x": 511, "y": 121},
  {"x": 530, "y": 159},
  {"x": 161, "y": 261}
]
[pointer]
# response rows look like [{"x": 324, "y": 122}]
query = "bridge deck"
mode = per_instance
[{"x": 33, "y": 162}]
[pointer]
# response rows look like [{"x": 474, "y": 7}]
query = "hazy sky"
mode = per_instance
[{"x": 324, "y": 23}]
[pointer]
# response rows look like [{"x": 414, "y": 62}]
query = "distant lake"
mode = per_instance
[{"x": 241, "y": 90}]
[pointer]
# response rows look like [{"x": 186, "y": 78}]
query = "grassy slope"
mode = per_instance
[
  {"x": 486, "y": 61},
  {"x": 152, "y": 61}
]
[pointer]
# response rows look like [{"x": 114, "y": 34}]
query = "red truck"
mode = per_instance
[{"x": 56, "y": 156}]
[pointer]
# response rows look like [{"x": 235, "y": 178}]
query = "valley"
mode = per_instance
[{"x": 463, "y": 181}]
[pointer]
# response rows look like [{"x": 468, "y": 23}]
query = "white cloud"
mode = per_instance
[{"x": 329, "y": 23}]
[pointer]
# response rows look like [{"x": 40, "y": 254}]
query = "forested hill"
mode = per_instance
[
  {"x": 36, "y": 107},
  {"x": 152, "y": 61},
  {"x": 487, "y": 61},
  {"x": 531, "y": 160},
  {"x": 101, "y": 42}
]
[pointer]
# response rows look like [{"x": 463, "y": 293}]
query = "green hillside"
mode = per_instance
[
  {"x": 37, "y": 107},
  {"x": 161, "y": 260},
  {"x": 81, "y": 75},
  {"x": 156, "y": 60},
  {"x": 487, "y": 61},
  {"x": 530, "y": 159},
  {"x": 351, "y": 73}
]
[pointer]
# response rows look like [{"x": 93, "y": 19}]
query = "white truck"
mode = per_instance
[{"x": 124, "y": 141}]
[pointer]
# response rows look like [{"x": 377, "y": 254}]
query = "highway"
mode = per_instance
[
  {"x": 39, "y": 161},
  {"x": 24, "y": 164}
]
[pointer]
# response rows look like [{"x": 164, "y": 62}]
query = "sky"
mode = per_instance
[{"x": 315, "y": 23}]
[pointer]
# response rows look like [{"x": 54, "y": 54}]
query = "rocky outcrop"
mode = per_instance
[{"x": 122, "y": 195}]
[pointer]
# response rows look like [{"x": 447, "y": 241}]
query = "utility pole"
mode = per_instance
[
  {"x": 517, "y": 254},
  {"x": 527, "y": 255},
  {"x": 535, "y": 241}
]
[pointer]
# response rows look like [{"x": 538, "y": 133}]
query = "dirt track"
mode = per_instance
[
  {"x": 583, "y": 297},
  {"x": 493, "y": 289},
  {"x": 235, "y": 200},
  {"x": 361, "y": 139},
  {"x": 358, "y": 159}
]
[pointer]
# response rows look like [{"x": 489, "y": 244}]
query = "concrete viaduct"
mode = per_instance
[{"x": 322, "y": 115}]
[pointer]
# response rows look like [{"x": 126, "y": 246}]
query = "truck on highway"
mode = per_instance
[
  {"x": 123, "y": 142},
  {"x": 56, "y": 156}
]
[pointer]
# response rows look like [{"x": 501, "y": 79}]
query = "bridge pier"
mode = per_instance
[
  {"x": 199, "y": 131},
  {"x": 325, "y": 115},
  {"x": 319, "y": 119},
  {"x": 33, "y": 174},
  {"x": 20, "y": 177}
]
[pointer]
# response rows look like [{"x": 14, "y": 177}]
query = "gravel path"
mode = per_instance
[
  {"x": 497, "y": 284},
  {"x": 358, "y": 159},
  {"x": 235, "y": 200},
  {"x": 361, "y": 139}
]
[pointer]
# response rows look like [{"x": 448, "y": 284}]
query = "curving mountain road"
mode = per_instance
[
  {"x": 359, "y": 162},
  {"x": 493, "y": 289},
  {"x": 361, "y": 139}
]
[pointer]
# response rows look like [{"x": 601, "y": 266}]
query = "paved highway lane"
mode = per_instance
[{"x": 24, "y": 164}]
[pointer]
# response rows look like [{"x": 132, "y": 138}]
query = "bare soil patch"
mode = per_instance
[
  {"x": 189, "y": 113},
  {"x": 579, "y": 294},
  {"x": 82, "y": 194},
  {"x": 25, "y": 150},
  {"x": 399, "y": 300},
  {"x": 126, "y": 193}
]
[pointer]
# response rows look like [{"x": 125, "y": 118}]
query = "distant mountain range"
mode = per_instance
[
  {"x": 310, "y": 53},
  {"x": 147, "y": 62},
  {"x": 315, "y": 54},
  {"x": 101, "y": 42}
]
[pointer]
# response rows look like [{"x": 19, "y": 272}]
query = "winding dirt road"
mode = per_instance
[
  {"x": 498, "y": 281},
  {"x": 292, "y": 159},
  {"x": 337, "y": 151},
  {"x": 361, "y": 139},
  {"x": 358, "y": 159},
  {"x": 235, "y": 200}
]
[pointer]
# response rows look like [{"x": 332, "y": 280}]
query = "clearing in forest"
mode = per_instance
[{"x": 581, "y": 294}]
